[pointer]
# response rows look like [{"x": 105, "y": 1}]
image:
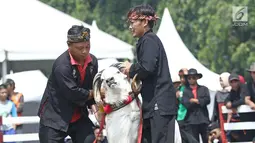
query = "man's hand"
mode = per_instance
[
  {"x": 177, "y": 94},
  {"x": 127, "y": 66},
  {"x": 253, "y": 107},
  {"x": 193, "y": 100},
  {"x": 91, "y": 94},
  {"x": 209, "y": 139},
  {"x": 229, "y": 105}
]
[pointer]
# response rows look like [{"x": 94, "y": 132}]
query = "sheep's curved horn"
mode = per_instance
[
  {"x": 98, "y": 96},
  {"x": 136, "y": 85},
  {"x": 97, "y": 91}
]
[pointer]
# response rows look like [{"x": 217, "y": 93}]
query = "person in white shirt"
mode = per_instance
[{"x": 7, "y": 109}]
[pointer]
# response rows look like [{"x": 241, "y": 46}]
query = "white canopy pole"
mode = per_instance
[{"x": 4, "y": 66}]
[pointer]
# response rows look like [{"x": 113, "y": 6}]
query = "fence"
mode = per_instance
[
  {"x": 25, "y": 120},
  {"x": 35, "y": 119},
  {"x": 19, "y": 137},
  {"x": 238, "y": 125}
]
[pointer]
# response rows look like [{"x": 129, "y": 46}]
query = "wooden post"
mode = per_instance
[
  {"x": 1, "y": 132},
  {"x": 222, "y": 121}
]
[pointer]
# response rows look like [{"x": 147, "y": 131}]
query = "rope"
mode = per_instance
[{"x": 101, "y": 127}]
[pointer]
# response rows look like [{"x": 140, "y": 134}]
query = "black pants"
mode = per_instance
[
  {"x": 80, "y": 131},
  {"x": 199, "y": 129},
  {"x": 183, "y": 125},
  {"x": 159, "y": 129},
  {"x": 186, "y": 136}
]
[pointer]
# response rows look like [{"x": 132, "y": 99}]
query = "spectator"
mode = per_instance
[
  {"x": 181, "y": 113},
  {"x": 235, "y": 98},
  {"x": 18, "y": 99},
  {"x": 219, "y": 100},
  {"x": 250, "y": 100},
  {"x": 176, "y": 82},
  {"x": 221, "y": 96},
  {"x": 7, "y": 109},
  {"x": 237, "y": 93},
  {"x": 196, "y": 98},
  {"x": 214, "y": 133},
  {"x": 100, "y": 137}
]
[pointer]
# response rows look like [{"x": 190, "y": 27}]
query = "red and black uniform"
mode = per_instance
[{"x": 63, "y": 108}]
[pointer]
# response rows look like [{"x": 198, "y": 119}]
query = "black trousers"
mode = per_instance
[
  {"x": 199, "y": 129},
  {"x": 186, "y": 136},
  {"x": 80, "y": 131},
  {"x": 159, "y": 129}
]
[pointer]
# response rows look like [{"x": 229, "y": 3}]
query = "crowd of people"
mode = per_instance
[
  {"x": 193, "y": 117},
  {"x": 11, "y": 105}
]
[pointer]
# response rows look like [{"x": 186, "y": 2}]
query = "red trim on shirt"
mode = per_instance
[
  {"x": 82, "y": 70},
  {"x": 194, "y": 91}
]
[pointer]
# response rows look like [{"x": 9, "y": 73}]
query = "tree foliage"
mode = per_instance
[{"x": 206, "y": 27}]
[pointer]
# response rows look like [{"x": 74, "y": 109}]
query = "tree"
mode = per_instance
[
  {"x": 206, "y": 27},
  {"x": 77, "y": 8},
  {"x": 207, "y": 30}
]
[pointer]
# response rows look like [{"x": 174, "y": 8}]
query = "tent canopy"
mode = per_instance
[
  {"x": 32, "y": 30},
  {"x": 109, "y": 44},
  {"x": 179, "y": 55},
  {"x": 30, "y": 83}
]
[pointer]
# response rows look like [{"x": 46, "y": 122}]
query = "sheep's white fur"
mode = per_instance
[{"x": 121, "y": 125}]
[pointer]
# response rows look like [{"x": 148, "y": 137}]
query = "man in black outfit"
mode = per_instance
[
  {"x": 239, "y": 92},
  {"x": 196, "y": 98},
  {"x": 250, "y": 100},
  {"x": 63, "y": 109},
  {"x": 158, "y": 93}
]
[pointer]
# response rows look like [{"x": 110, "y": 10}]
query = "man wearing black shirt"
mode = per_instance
[
  {"x": 237, "y": 93},
  {"x": 196, "y": 98},
  {"x": 236, "y": 98},
  {"x": 63, "y": 109},
  {"x": 158, "y": 93},
  {"x": 250, "y": 100}
]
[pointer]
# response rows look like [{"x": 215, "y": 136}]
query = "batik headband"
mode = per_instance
[
  {"x": 84, "y": 35},
  {"x": 135, "y": 16}
]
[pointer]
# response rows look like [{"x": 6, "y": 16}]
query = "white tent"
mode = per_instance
[
  {"x": 32, "y": 30},
  {"x": 104, "y": 63},
  {"x": 30, "y": 83},
  {"x": 175, "y": 48},
  {"x": 109, "y": 44}
]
